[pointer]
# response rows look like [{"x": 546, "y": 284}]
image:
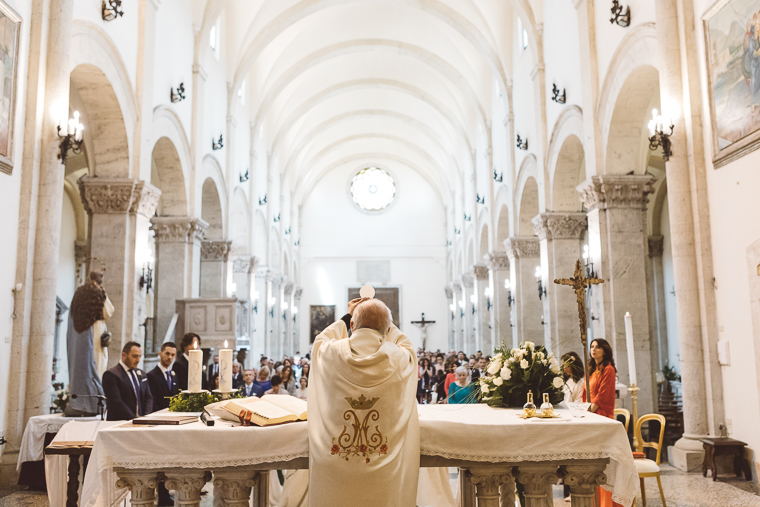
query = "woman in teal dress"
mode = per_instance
[{"x": 461, "y": 391}]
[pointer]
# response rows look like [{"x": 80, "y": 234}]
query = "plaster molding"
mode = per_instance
[
  {"x": 612, "y": 191},
  {"x": 215, "y": 251},
  {"x": 553, "y": 225},
  {"x": 522, "y": 247},
  {"x": 480, "y": 271},
  {"x": 498, "y": 261},
  {"x": 656, "y": 244}
]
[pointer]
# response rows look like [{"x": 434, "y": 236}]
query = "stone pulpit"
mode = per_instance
[{"x": 215, "y": 320}]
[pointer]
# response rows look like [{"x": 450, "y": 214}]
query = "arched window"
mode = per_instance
[{"x": 373, "y": 189}]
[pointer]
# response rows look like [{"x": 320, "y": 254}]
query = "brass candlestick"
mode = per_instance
[{"x": 634, "y": 390}]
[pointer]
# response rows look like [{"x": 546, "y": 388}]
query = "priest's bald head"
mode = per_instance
[{"x": 372, "y": 314}]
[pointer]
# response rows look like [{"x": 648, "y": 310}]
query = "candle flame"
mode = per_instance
[
  {"x": 195, "y": 345},
  {"x": 225, "y": 344}
]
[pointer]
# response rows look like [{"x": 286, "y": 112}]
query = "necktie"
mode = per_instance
[
  {"x": 169, "y": 380},
  {"x": 136, "y": 385}
]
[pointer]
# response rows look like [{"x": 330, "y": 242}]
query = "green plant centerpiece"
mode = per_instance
[
  {"x": 61, "y": 399},
  {"x": 196, "y": 402},
  {"x": 513, "y": 372}
]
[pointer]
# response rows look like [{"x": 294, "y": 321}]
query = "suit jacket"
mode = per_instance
[
  {"x": 180, "y": 371},
  {"x": 255, "y": 391},
  {"x": 120, "y": 395},
  {"x": 474, "y": 374},
  {"x": 209, "y": 377},
  {"x": 159, "y": 388},
  {"x": 237, "y": 381}
]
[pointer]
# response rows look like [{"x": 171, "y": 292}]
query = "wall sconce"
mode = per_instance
[
  {"x": 277, "y": 218},
  {"x": 263, "y": 201},
  {"x": 180, "y": 95},
  {"x": 498, "y": 178},
  {"x": 467, "y": 218},
  {"x": 457, "y": 231},
  {"x": 448, "y": 242},
  {"x": 541, "y": 288},
  {"x": 474, "y": 301},
  {"x": 589, "y": 265},
  {"x": 453, "y": 308},
  {"x": 70, "y": 134},
  {"x": 295, "y": 312},
  {"x": 255, "y": 299},
  {"x": 146, "y": 279},
  {"x": 488, "y": 293},
  {"x": 233, "y": 290},
  {"x": 284, "y": 310},
  {"x": 556, "y": 97},
  {"x": 508, "y": 286},
  {"x": 658, "y": 135},
  {"x": 110, "y": 10},
  {"x": 288, "y": 231},
  {"x": 543, "y": 323},
  {"x": 480, "y": 200},
  {"x": 272, "y": 302},
  {"x": 297, "y": 243},
  {"x": 244, "y": 177},
  {"x": 522, "y": 144},
  {"x": 217, "y": 145},
  {"x": 618, "y": 16}
]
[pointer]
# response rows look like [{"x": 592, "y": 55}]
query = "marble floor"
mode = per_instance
[{"x": 681, "y": 490}]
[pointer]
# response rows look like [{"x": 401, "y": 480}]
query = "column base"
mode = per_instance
[{"x": 687, "y": 454}]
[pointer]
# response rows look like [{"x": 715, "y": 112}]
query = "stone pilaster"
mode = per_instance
[
  {"x": 286, "y": 314},
  {"x": 583, "y": 481},
  {"x": 297, "y": 294},
  {"x": 537, "y": 479},
  {"x": 177, "y": 241},
  {"x": 469, "y": 327},
  {"x": 260, "y": 308},
  {"x": 243, "y": 268},
  {"x": 214, "y": 266},
  {"x": 483, "y": 337},
  {"x": 524, "y": 256},
  {"x": 498, "y": 264},
  {"x": 232, "y": 488},
  {"x": 657, "y": 319},
  {"x": 451, "y": 304},
  {"x": 560, "y": 239},
  {"x": 456, "y": 286},
  {"x": 119, "y": 211},
  {"x": 273, "y": 346},
  {"x": 618, "y": 248}
]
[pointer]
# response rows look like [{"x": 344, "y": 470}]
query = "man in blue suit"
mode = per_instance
[
  {"x": 249, "y": 388},
  {"x": 126, "y": 387},
  {"x": 161, "y": 379}
]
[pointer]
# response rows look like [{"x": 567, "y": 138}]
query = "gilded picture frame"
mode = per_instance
[
  {"x": 732, "y": 49},
  {"x": 10, "y": 31}
]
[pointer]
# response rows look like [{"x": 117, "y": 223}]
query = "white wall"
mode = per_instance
[
  {"x": 410, "y": 233},
  {"x": 66, "y": 284}
]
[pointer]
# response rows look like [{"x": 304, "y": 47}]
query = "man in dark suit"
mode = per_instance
[
  {"x": 126, "y": 387},
  {"x": 180, "y": 363},
  {"x": 248, "y": 388},
  {"x": 237, "y": 376},
  {"x": 212, "y": 371},
  {"x": 161, "y": 379}
]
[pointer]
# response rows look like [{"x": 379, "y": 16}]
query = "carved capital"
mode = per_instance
[
  {"x": 522, "y": 248},
  {"x": 537, "y": 479},
  {"x": 288, "y": 288},
  {"x": 141, "y": 484},
  {"x": 234, "y": 488},
  {"x": 552, "y": 225},
  {"x": 298, "y": 293},
  {"x": 244, "y": 265},
  {"x": 456, "y": 286},
  {"x": 480, "y": 271},
  {"x": 449, "y": 292},
  {"x": 468, "y": 281},
  {"x": 584, "y": 479},
  {"x": 655, "y": 246},
  {"x": 145, "y": 199},
  {"x": 215, "y": 251},
  {"x": 177, "y": 229},
  {"x": 611, "y": 191},
  {"x": 187, "y": 485},
  {"x": 498, "y": 261},
  {"x": 107, "y": 195}
]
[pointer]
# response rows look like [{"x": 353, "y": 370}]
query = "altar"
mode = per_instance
[{"x": 491, "y": 447}]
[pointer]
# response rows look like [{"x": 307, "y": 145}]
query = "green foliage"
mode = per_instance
[
  {"x": 670, "y": 373},
  {"x": 196, "y": 402}
]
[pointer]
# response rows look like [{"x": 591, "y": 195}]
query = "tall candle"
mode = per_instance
[
  {"x": 195, "y": 369},
  {"x": 630, "y": 348},
  {"x": 225, "y": 368}
]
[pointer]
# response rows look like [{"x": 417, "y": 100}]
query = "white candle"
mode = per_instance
[
  {"x": 195, "y": 369},
  {"x": 630, "y": 348},
  {"x": 225, "y": 369}
]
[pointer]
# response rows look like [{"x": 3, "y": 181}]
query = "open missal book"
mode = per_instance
[{"x": 266, "y": 411}]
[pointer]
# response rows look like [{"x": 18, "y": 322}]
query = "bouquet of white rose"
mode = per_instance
[{"x": 513, "y": 372}]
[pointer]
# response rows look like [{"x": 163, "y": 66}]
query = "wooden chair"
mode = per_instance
[
  {"x": 647, "y": 467},
  {"x": 626, "y": 414}
]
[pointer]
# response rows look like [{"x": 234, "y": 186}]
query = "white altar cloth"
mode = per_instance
[
  {"x": 33, "y": 441},
  {"x": 466, "y": 432}
]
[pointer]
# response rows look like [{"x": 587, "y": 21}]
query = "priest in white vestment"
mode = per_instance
[{"x": 364, "y": 435}]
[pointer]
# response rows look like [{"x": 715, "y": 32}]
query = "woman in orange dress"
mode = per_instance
[{"x": 602, "y": 374}]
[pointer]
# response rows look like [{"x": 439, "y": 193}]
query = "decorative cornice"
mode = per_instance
[
  {"x": 215, "y": 250},
  {"x": 520, "y": 248},
  {"x": 611, "y": 191},
  {"x": 480, "y": 271},
  {"x": 498, "y": 260},
  {"x": 178, "y": 229},
  {"x": 552, "y": 225},
  {"x": 655, "y": 246}
]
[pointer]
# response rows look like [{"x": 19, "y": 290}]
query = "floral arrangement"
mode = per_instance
[
  {"x": 61, "y": 397},
  {"x": 196, "y": 402},
  {"x": 513, "y": 372}
]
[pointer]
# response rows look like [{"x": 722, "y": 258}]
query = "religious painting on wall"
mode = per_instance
[
  {"x": 9, "y": 36},
  {"x": 320, "y": 317},
  {"x": 388, "y": 295},
  {"x": 732, "y": 40}
]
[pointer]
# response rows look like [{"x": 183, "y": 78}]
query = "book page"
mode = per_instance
[
  {"x": 262, "y": 408},
  {"x": 292, "y": 404}
]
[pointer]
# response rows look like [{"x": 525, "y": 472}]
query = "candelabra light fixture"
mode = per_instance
[
  {"x": 263, "y": 201},
  {"x": 284, "y": 310},
  {"x": 498, "y": 178},
  {"x": 272, "y": 302},
  {"x": 488, "y": 293},
  {"x": 255, "y": 299},
  {"x": 146, "y": 279},
  {"x": 457, "y": 231},
  {"x": 295, "y": 312},
  {"x": 508, "y": 286},
  {"x": 448, "y": 242},
  {"x": 559, "y": 98},
  {"x": 179, "y": 96},
  {"x": 217, "y": 145},
  {"x": 233, "y": 290},
  {"x": 658, "y": 136},
  {"x": 541, "y": 288},
  {"x": 590, "y": 273},
  {"x": 287, "y": 231},
  {"x": 70, "y": 133},
  {"x": 467, "y": 218},
  {"x": 298, "y": 243},
  {"x": 277, "y": 218},
  {"x": 620, "y": 16},
  {"x": 110, "y": 10},
  {"x": 244, "y": 177},
  {"x": 474, "y": 301},
  {"x": 479, "y": 199},
  {"x": 522, "y": 144}
]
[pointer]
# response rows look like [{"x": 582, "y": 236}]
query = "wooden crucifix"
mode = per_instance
[
  {"x": 423, "y": 325},
  {"x": 580, "y": 283}
]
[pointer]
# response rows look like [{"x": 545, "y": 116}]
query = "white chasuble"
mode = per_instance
[{"x": 364, "y": 432}]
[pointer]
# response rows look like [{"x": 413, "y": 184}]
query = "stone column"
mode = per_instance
[
  {"x": 498, "y": 264},
  {"x": 187, "y": 485},
  {"x": 297, "y": 294},
  {"x": 488, "y": 482},
  {"x": 274, "y": 344},
  {"x": 524, "y": 256},
  {"x": 176, "y": 239},
  {"x": 537, "y": 479},
  {"x": 451, "y": 305},
  {"x": 484, "y": 338},
  {"x": 658, "y": 322},
  {"x": 583, "y": 480},
  {"x": 618, "y": 247},
  {"x": 232, "y": 487},
  {"x": 285, "y": 331},
  {"x": 560, "y": 239},
  {"x": 458, "y": 315},
  {"x": 141, "y": 484},
  {"x": 242, "y": 274},
  {"x": 469, "y": 326},
  {"x": 118, "y": 209},
  {"x": 259, "y": 307},
  {"x": 214, "y": 258}
]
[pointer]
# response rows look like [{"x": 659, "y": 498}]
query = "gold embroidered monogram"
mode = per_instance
[{"x": 359, "y": 441}]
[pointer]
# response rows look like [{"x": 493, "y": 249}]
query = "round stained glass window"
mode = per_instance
[{"x": 373, "y": 189}]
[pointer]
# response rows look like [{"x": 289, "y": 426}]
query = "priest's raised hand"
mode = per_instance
[{"x": 364, "y": 441}]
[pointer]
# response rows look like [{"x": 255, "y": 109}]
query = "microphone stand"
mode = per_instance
[{"x": 101, "y": 402}]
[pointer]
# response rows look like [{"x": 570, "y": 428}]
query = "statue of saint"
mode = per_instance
[{"x": 87, "y": 345}]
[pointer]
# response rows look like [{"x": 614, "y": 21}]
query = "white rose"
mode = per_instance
[
  {"x": 511, "y": 360},
  {"x": 524, "y": 364},
  {"x": 557, "y": 382},
  {"x": 498, "y": 356},
  {"x": 543, "y": 361},
  {"x": 540, "y": 355},
  {"x": 498, "y": 381},
  {"x": 529, "y": 345},
  {"x": 484, "y": 387},
  {"x": 506, "y": 373},
  {"x": 554, "y": 365},
  {"x": 494, "y": 366},
  {"x": 65, "y": 397}
]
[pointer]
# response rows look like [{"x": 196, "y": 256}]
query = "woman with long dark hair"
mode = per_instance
[
  {"x": 425, "y": 375},
  {"x": 572, "y": 366}
]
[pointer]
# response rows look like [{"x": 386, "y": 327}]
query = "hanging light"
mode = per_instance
[
  {"x": 658, "y": 136},
  {"x": 70, "y": 133}
]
